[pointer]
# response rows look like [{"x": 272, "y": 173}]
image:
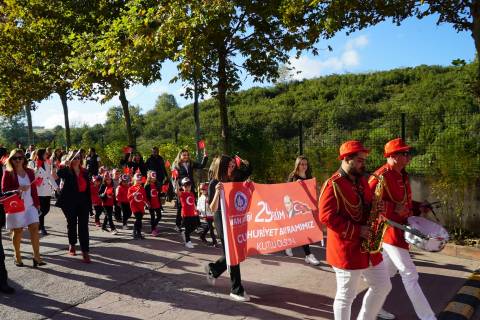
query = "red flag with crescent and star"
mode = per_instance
[{"x": 13, "y": 204}]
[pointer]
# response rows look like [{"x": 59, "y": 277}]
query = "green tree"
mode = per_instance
[
  {"x": 114, "y": 55},
  {"x": 213, "y": 34}
]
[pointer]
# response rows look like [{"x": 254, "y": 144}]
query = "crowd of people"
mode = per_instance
[{"x": 84, "y": 189}]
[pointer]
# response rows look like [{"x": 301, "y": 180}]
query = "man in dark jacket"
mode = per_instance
[
  {"x": 156, "y": 163},
  {"x": 93, "y": 162}
]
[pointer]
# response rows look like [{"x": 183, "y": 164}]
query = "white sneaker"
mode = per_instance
[
  {"x": 210, "y": 278},
  {"x": 244, "y": 297},
  {"x": 383, "y": 314},
  {"x": 289, "y": 252},
  {"x": 183, "y": 236},
  {"x": 114, "y": 232},
  {"x": 189, "y": 245},
  {"x": 310, "y": 259}
]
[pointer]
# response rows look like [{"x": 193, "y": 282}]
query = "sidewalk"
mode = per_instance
[{"x": 158, "y": 278}]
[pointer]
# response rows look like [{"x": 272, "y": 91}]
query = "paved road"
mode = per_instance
[{"x": 158, "y": 278}]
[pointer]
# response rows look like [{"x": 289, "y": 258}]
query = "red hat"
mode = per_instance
[
  {"x": 351, "y": 147},
  {"x": 394, "y": 146}
]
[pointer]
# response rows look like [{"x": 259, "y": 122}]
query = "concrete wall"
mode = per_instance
[{"x": 421, "y": 190}]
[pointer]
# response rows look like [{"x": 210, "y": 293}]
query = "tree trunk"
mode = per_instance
[
  {"x": 222, "y": 96},
  {"x": 28, "y": 112},
  {"x": 63, "y": 98},
  {"x": 196, "y": 114},
  {"x": 126, "y": 114},
  {"x": 475, "y": 11}
]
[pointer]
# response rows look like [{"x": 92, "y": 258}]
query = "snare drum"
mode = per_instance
[{"x": 435, "y": 236}]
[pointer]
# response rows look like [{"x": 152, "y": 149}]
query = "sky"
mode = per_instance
[{"x": 381, "y": 47}]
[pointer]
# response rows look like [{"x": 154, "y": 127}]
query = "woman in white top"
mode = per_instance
[
  {"x": 45, "y": 188},
  {"x": 18, "y": 177}
]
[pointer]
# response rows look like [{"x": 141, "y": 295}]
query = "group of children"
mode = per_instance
[{"x": 119, "y": 195}]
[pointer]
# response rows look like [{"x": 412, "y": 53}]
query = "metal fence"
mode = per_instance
[{"x": 443, "y": 145}]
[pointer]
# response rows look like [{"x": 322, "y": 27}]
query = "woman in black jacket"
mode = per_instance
[
  {"x": 225, "y": 169},
  {"x": 75, "y": 202},
  {"x": 185, "y": 167}
]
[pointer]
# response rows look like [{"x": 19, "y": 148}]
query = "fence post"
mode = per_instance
[
  {"x": 403, "y": 126},
  {"x": 300, "y": 137}
]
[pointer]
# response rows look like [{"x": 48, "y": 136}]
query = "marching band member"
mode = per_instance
[
  {"x": 344, "y": 207},
  {"x": 398, "y": 206}
]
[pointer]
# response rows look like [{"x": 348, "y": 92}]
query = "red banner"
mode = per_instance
[{"x": 266, "y": 218}]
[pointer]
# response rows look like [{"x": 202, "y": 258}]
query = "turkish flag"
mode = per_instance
[
  {"x": 201, "y": 144},
  {"x": 4, "y": 159},
  {"x": 238, "y": 161},
  {"x": 127, "y": 149},
  {"x": 13, "y": 204},
  {"x": 144, "y": 179},
  {"x": 174, "y": 174},
  {"x": 165, "y": 188},
  {"x": 38, "y": 181},
  {"x": 126, "y": 170},
  {"x": 167, "y": 164}
]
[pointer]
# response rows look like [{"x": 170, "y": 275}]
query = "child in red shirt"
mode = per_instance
[
  {"x": 138, "y": 199},
  {"x": 153, "y": 197},
  {"x": 189, "y": 212},
  {"x": 121, "y": 194},
  {"x": 96, "y": 201},
  {"x": 107, "y": 194}
]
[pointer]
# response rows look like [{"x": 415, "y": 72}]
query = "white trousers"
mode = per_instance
[
  {"x": 347, "y": 283},
  {"x": 399, "y": 259}
]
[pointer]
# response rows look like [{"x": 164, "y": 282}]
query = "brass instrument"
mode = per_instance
[{"x": 376, "y": 225}]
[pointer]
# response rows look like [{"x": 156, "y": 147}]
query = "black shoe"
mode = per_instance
[
  {"x": 37, "y": 264},
  {"x": 5, "y": 288},
  {"x": 203, "y": 239},
  {"x": 44, "y": 232},
  {"x": 18, "y": 264},
  {"x": 105, "y": 229}
]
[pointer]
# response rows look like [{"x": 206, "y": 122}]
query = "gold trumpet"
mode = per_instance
[{"x": 376, "y": 225}]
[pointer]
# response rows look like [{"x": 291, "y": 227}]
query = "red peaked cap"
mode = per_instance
[
  {"x": 351, "y": 147},
  {"x": 394, "y": 146}
]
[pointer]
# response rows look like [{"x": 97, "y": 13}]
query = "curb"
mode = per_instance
[
  {"x": 465, "y": 302},
  {"x": 465, "y": 252}
]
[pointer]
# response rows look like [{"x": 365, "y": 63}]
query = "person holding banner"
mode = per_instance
[
  {"x": 184, "y": 167},
  {"x": 76, "y": 202},
  {"x": 397, "y": 197},
  {"x": 19, "y": 177},
  {"x": 344, "y": 207},
  {"x": 223, "y": 171},
  {"x": 302, "y": 172}
]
